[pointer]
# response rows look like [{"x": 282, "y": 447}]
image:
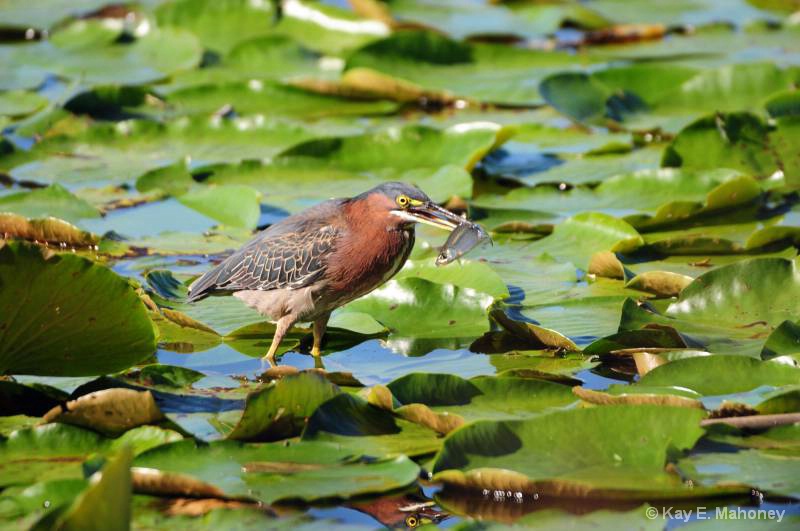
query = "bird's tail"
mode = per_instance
[{"x": 204, "y": 286}]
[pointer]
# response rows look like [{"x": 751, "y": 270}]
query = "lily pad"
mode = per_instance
[
  {"x": 57, "y": 451},
  {"x": 617, "y": 92},
  {"x": 122, "y": 151},
  {"x": 45, "y": 230},
  {"x": 497, "y": 19},
  {"x": 773, "y": 473},
  {"x": 732, "y": 140},
  {"x": 279, "y": 410},
  {"x": 106, "y": 502},
  {"x": 20, "y": 14},
  {"x": 328, "y": 28},
  {"x": 643, "y": 190},
  {"x": 464, "y": 273},
  {"x": 270, "y": 99},
  {"x": 233, "y": 205},
  {"x": 86, "y": 50},
  {"x": 80, "y": 317},
  {"x": 583, "y": 235},
  {"x": 434, "y": 67},
  {"x": 481, "y": 398},
  {"x": 354, "y": 424},
  {"x": 450, "y": 311},
  {"x": 20, "y": 103},
  {"x": 783, "y": 341},
  {"x": 219, "y": 25},
  {"x": 748, "y": 293},
  {"x": 464, "y": 144},
  {"x": 55, "y": 201},
  {"x": 731, "y": 374},
  {"x": 110, "y": 411},
  {"x": 508, "y": 455},
  {"x": 271, "y": 472}
]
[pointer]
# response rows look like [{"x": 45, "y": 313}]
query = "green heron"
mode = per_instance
[{"x": 311, "y": 263}]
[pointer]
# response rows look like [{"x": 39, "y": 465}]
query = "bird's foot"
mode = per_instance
[
  {"x": 268, "y": 361},
  {"x": 316, "y": 352}
]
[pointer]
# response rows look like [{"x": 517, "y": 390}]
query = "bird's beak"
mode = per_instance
[{"x": 432, "y": 214}]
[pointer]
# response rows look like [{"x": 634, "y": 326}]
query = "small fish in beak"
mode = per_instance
[{"x": 462, "y": 240}]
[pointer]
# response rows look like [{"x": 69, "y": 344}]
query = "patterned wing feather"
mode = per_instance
[{"x": 271, "y": 261}]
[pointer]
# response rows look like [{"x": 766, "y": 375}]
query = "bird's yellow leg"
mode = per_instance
[
  {"x": 269, "y": 357},
  {"x": 281, "y": 327},
  {"x": 319, "y": 331}
]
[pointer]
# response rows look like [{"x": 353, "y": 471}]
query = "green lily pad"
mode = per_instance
[
  {"x": 328, "y": 29},
  {"x": 731, "y": 374},
  {"x": 27, "y": 504},
  {"x": 279, "y": 410},
  {"x": 679, "y": 12},
  {"x": 272, "y": 472},
  {"x": 722, "y": 339},
  {"x": 749, "y": 293},
  {"x": 786, "y": 437},
  {"x": 643, "y": 190},
  {"x": 168, "y": 375},
  {"x": 463, "y": 145},
  {"x": 219, "y": 25},
  {"x": 442, "y": 69},
  {"x": 233, "y": 205},
  {"x": 212, "y": 242},
  {"x": 270, "y": 99},
  {"x": 783, "y": 341},
  {"x": 20, "y": 103},
  {"x": 728, "y": 202},
  {"x": 784, "y": 104},
  {"x": 106, "y": 502},
  {"x": 150, "y": 512},
  {"x": 503, "y": 19},
  {"x": 481, "y": 398},
  {"x": 21, "y": 14},
  {"x": 271, "y": 56},
  {"x": 122, "y": 151},
  {"x": 352, "y": 423},
  {"x": 57, "y": 451},
  {"x": 772, "y": 473},
  {"x": 55, "y": 201},
  {"x": 663, "y": 89},
  {"x": 711, "y": 45},
  {"x": 449, "y": 311},
  {"x": 80, "y": 317},
  {"x": 783, "y": 139},
  {"x": 532, "y": 336},
  {"x": 509, "y": 455},
  {"x": 783, "y": 400},
  {"x": 732, "y": 140},
  {"x": 278, "y": 181},
  {"x": 87, "y": 51},
  {"x": 542, "y": 519},
  {"x": 464, "y": 273},
  {"x": 581, "y": 236}
]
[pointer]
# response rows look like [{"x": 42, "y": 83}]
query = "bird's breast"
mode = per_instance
[{"x": 367, "y": 260}]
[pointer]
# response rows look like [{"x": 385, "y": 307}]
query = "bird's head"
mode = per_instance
[{"x": 406, "y": 204}]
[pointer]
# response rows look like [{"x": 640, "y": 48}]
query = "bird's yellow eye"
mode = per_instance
[{"x": 403, "y": 200}]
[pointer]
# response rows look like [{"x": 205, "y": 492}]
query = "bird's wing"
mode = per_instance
[{"x": 271, "y": 261}]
